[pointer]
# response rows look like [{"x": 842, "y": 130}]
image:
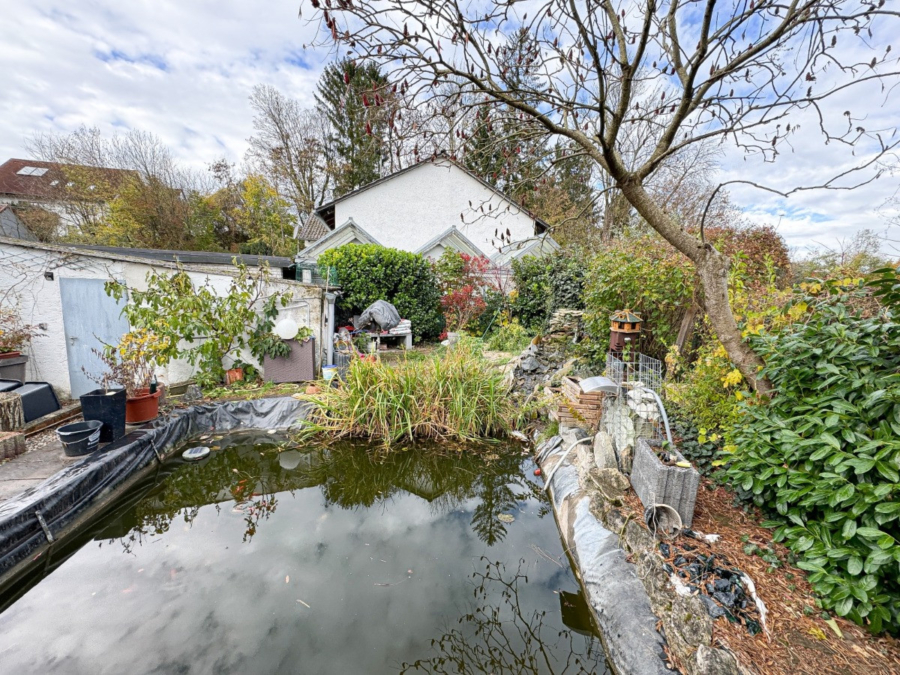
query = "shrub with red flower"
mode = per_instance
[{"x": 462, "y": 278}]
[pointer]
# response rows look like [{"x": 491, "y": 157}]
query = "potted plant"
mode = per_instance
[
  {"x": 14, "y": 335},
  {"x": 132, "y": 364},
  {"x": 290, "y": 359}
]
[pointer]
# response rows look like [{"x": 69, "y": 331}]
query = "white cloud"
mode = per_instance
[{"x": 182, "y": 70}]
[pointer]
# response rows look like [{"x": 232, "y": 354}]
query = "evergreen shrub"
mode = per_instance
[
  {"x": 369, "y": 272},
  {"x": 824, "y": 454}
]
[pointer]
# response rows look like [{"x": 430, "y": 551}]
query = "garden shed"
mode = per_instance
[{"x": 60, "y": 289}]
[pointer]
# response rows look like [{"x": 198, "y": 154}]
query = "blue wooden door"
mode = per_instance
[{"x": 90, "y": 319}]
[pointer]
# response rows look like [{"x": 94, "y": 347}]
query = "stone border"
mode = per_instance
[
  {"x": 614, "y": 593},
  {"x": 595, "y": 497}
]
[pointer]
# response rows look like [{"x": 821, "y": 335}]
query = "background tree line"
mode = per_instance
[{"x": 361, "y": 128}]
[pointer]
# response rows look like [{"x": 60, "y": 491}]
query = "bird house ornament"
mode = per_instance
[{"x": 624, "y": 330}]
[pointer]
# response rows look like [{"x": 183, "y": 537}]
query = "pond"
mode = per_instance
[{"x": 267, "y": 558}]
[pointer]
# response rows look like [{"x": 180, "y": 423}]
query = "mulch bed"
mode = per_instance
[{"x": 799, "y": 639}]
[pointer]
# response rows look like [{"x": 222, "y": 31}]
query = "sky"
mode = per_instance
[{"x": 184, "y": 71}]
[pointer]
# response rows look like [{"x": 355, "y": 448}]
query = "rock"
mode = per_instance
[
  {"x": 626, "y": 459},
  {"x": 566, "y": 370},
  {"x": 712, "y": 661},
  {"x": 530, "y": 364},
  {"x": 570, "y": 435},
  {"x": 604, "y": 454},
  {"x": 712, "y": 607},
  {"x": 611, "y": 483},
  {"x": 192, "y": 393}
]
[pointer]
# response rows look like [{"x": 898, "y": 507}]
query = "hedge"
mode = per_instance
[{"x": 369, "y": 272}]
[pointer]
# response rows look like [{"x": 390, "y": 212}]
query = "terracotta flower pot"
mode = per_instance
[
  {"x": 234, "y": 375},
  {"x": 10, "y": 355},
  {"x": 142, "y": 408}
]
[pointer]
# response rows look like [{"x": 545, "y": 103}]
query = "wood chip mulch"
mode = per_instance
[{"x": 799, "y": 639}]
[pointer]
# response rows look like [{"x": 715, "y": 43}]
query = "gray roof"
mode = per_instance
[
  {"x": 314, "y": 228},
  {"x": 190, "y": 257}
]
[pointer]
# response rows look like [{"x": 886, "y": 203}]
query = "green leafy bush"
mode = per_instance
[
  {"x": 825, "y": 452},
  {"x": 698, "y": 445},
  {"x": 199, "y": 323},
  {"x": 647, "y": 276},
  {"x": 368, "y": 272},
  {"x": 510, "y": 337},
  {"x": 546, "y": 284}
]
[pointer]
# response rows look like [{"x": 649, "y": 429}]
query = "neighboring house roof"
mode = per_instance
[
  {"x": 347, "y": 233},
  {"x": 536, "y": 246},
  {"x": 29, "y": 178},
  {"x": 452, "y": 238},
  {"x": 326, "y": 211},
  {"x": 314, "y": 228},
  {"x": 189, "y": 257},
  {"x": 12, "y": 226}
]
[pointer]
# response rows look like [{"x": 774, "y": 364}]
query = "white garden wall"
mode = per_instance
[{"x": 24, "y": 271}]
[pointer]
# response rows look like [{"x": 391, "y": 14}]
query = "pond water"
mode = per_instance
[{"x": 264, "y": 558}]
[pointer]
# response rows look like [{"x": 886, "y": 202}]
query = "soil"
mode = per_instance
[{"x": 799, "y": 639}]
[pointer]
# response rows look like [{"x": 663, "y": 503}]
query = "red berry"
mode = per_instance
[{"x": 537, "y": 472}]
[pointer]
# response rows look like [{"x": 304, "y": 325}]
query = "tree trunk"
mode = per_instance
[
  {"x": 11, "y": 414},
  {"x": 712, "y": 268}
]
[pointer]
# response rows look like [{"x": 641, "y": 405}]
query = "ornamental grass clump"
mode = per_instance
[{"x": 455, "y": 394}]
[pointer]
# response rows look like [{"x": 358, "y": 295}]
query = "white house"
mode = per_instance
[
  {"x": 427, "y": 208},
  {"x": 61, "y": 290}
]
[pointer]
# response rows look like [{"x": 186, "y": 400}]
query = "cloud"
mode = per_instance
[{"x": 180, "y": 70}]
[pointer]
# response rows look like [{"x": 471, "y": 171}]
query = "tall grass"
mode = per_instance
[{"x": 453, "y": 394}]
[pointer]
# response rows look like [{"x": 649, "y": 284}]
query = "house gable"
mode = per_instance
[
  {"x": 348, "y": 233},
  {"x": 449, "y": 239},
  {"x": 411, "y": 207},
  {"x": 536, "y": 246}
]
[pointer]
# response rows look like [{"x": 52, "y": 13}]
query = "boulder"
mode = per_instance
[
  {"x": 712, "y": 661},
  {"x": 530, "y": 364},
  {"x": 604, "y": 454},
  {"x": 611, "y": 483}
]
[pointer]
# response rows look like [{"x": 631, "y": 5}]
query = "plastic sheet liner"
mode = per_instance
[
  {"x": 52, "y": 506},
  {"x": 382, "y": 313},
  {"x": 617, "y": 596}
]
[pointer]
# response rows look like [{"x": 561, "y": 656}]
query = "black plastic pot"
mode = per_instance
[
  {"x": 107, "y": 406},
  {"x": 80, "y": 438}
]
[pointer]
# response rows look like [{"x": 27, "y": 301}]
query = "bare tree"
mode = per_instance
[
  {"x": 288, "y": 148},
  {"x": 688, "y": 71}
]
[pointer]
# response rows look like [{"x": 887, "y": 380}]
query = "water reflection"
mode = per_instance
[
  {"x": 269, "y": 558},
  {"x": 499, "y": 635},
  {"x": 253, "y": 474}
]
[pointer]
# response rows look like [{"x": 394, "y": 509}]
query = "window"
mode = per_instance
[{"x": 31, "y": 171}]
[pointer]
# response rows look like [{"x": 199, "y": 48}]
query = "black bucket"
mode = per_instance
[
  {"x": 80, "y": 438},
  {"x": 107, "y": 406}
]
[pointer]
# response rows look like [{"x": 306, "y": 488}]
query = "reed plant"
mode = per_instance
[{"x": 453, "y": 394}]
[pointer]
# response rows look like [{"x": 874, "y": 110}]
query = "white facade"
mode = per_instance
[
  {"x": 30, "y": 275},
  {"x": 409, "y": 209}
]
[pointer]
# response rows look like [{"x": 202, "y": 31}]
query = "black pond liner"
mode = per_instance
[{"x": 43, "y": 513}]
